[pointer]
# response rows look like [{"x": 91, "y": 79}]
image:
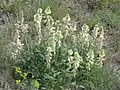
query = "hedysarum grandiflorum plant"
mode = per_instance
[{"x": 61, "y": 53}]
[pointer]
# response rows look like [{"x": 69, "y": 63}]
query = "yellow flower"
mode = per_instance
[
  {"x": 36, "y": 84},
  {"x": 18, "y": 70},
  {"x": 18, "y": 81},
  {"x": 24, "y": 75}
]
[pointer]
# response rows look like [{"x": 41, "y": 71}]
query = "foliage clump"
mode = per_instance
[{"x": 58, "y": 56}]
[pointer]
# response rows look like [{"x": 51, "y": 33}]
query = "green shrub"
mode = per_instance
[
  {"x": 58, "y": 56},
  {"x": 111, "y": 19},
  {"x": 29, "y": 8},
  {"x": 103, "y": 79},
  {"x": 94, "y": 4},
  {"x": 92, "y": 21},
  {"x": 57, "y": 7}
]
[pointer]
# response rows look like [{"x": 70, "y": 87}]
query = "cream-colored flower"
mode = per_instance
[
  {"x": 95, "y": 31},
  {"x": 73, "y": 27},
  {"x": 85, "y": 28},
  {"x": 39, "y": 11},
  {"x": 49, "y": 49},
  {"x": 47, "y": 10},
  {"x": 70, "y": 52},
  {"x": 67, "y": 18},
  {"x": 37, "y": 17}
]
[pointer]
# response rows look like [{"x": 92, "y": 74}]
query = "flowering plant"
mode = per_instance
[{"x": 61, "y": 56}]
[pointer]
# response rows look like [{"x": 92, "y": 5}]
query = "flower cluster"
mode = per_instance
[
  {"x": 74, "y": 60},
  {"x": 23, "y": 76},
  {"x": 38, "y": 19},
  {"x": 20, "y": 32}
]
